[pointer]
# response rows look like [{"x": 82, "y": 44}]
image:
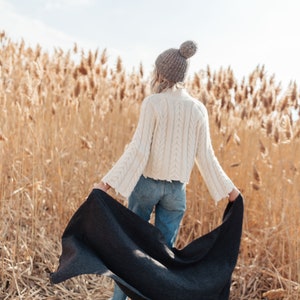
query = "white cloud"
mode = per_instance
[
  {"x": 34, "y": 31},
  {"x": 31, "y": 30},
  {"x": 63, "y": 4}
]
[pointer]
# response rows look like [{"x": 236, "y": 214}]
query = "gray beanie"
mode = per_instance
[{"x": 172, "y": 64}]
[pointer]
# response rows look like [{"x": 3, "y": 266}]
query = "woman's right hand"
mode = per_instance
[{"x": 102, "y": 186}]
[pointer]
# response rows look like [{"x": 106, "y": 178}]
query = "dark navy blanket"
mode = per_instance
[{"x": 104, "y": 237}]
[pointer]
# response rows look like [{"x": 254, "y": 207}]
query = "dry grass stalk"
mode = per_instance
[{"x": 275, "y": 294}]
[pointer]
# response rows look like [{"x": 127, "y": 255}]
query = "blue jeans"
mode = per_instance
[{"x": 169, "y": 201}]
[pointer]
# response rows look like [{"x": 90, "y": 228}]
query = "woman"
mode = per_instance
[{"x": 172, "y": 133}]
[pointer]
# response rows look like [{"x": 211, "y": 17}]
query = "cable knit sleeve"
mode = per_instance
[
  {"x": 127, "y": 170},
  {"x": 217, "y": 182}
]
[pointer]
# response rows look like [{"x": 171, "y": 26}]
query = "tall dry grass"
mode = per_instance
[{"x": 63, "y": 124}]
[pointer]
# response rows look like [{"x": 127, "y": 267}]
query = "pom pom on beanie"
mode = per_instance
[
  {"x": 172, "y": 64},
  {"x": 188, "y": 49}
]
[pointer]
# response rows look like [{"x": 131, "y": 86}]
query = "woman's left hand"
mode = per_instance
[{"x": 233, "y": 194}]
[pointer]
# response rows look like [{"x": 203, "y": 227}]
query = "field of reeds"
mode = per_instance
[{"x": 64, "y": 122}]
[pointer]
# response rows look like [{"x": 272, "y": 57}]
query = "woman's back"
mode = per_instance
[{"x": 178, "y": 118}]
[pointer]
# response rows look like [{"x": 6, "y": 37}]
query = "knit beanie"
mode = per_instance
[{"x": 172, "y": 64}]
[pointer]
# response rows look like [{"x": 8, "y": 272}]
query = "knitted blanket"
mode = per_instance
[{"x": 104, "y": 237}]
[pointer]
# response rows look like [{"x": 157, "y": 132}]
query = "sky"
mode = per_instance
[{"x": 237, "y": 33}]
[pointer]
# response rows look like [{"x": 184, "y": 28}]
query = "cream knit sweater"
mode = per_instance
[{"x": 172, "y": 132}]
